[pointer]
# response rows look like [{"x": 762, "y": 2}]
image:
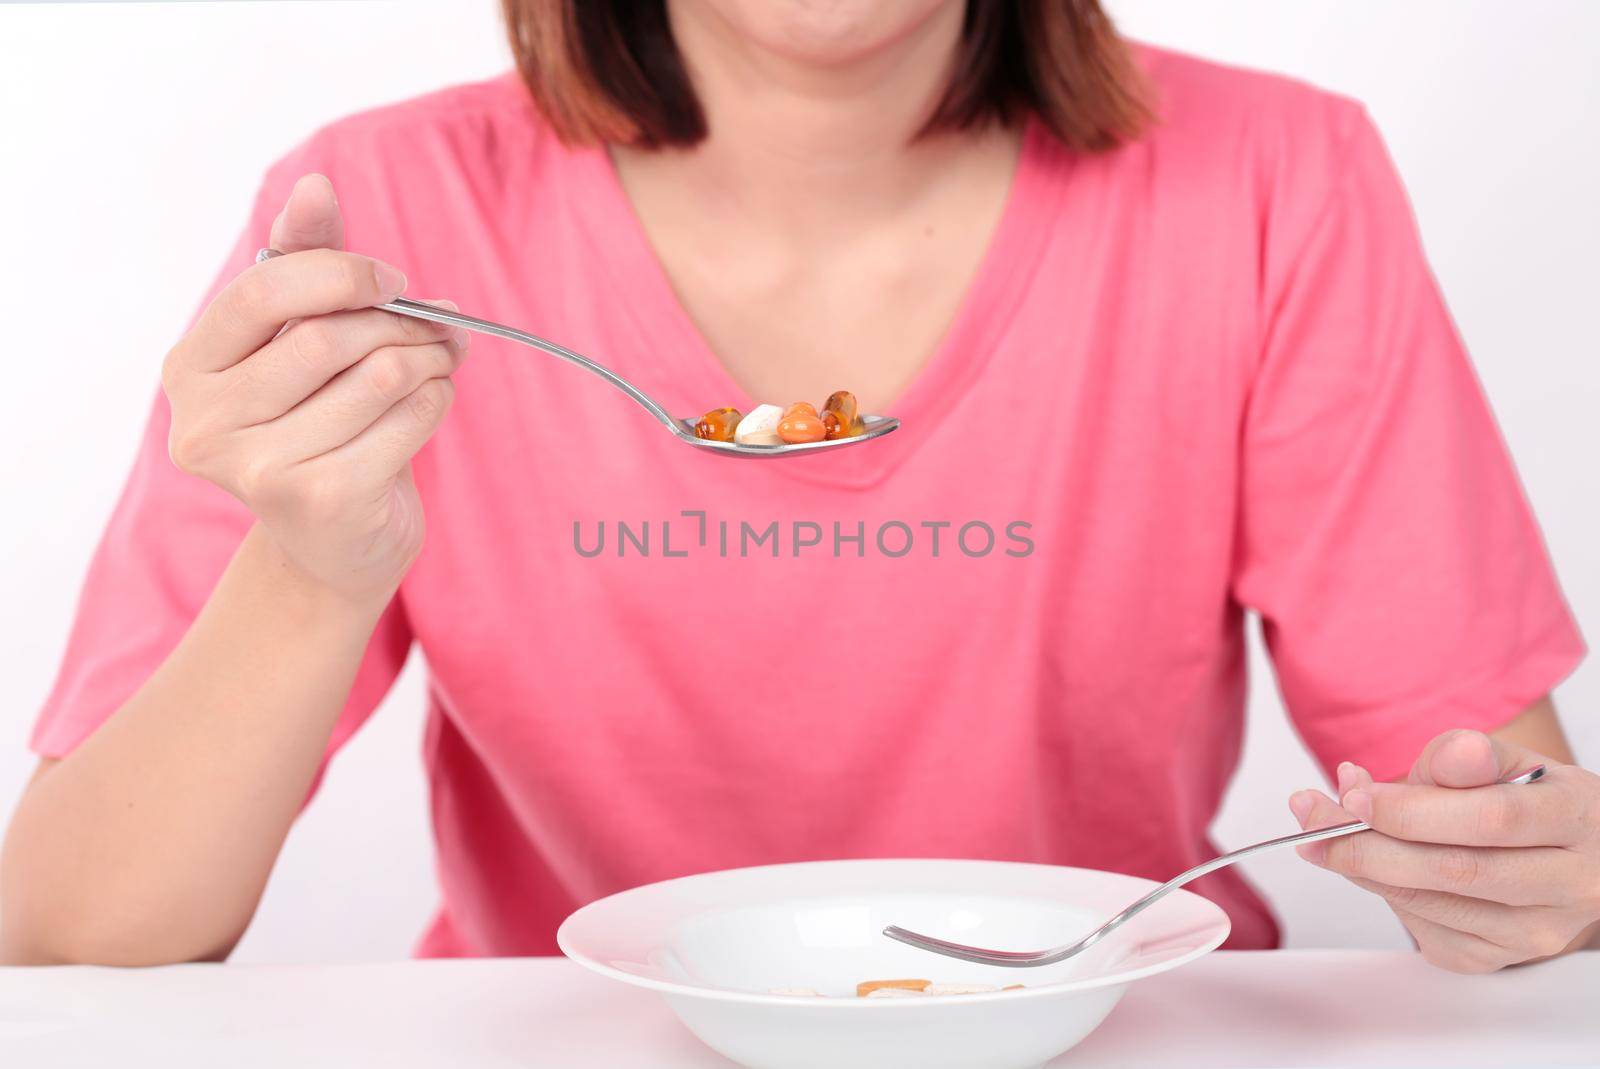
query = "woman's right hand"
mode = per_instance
[{"x": 300, "y": 398}]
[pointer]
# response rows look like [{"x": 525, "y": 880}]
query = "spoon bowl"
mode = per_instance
[{"x": 874, "y": 427}]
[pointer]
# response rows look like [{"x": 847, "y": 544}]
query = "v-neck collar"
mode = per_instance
[{"x": 645, "y": 293}]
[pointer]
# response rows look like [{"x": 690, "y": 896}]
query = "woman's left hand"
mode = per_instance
[{"x": 1483, "y": 874}]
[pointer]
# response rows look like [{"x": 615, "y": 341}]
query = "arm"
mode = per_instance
[
  {"x": 151, "y": 841},
  {"x": 1538, "y": 729}
]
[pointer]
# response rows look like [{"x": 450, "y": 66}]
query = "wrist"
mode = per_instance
[{"x": 273, "y": 574}]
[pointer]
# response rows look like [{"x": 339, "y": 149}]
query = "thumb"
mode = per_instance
[
  {"x": 1469, "y": 759},
  {"x": 310, "y": 219}
]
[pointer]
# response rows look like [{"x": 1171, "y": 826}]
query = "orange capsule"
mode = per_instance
[
  {"x": 801, "y": 408},
  {"x": 839, "y": 414},
  {"x": 801, "y": 427},
  {"x": 718, "y": 425},
  {"x": 835, "y": 427}
]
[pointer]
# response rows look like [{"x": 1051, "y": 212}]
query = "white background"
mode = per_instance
[{"x": 133, "y": 138}]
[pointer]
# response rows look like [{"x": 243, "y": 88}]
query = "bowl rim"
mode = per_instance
[{"x": 1116, "y": 977}]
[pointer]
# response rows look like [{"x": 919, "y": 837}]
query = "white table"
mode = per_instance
[{"x": 1286, "y": 1008}]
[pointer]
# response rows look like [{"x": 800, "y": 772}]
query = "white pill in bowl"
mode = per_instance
[{"x": 959, "y": 989}]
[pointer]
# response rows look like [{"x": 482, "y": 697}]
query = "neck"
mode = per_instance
[{"x": 806, "y": 144}]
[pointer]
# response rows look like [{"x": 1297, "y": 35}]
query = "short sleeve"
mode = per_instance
[
  {"x": 167, "y": 543},
  {"x": 1384, "y": 537}
]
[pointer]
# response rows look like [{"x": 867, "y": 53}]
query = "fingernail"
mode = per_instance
[
  {"x": 1358, "y": 803},
  {"x": 1363, "y": 778},
  {"x": 1300, "y": 804},
  {"x": 462, "y": 337},
  {"x": 1346, "y": 776},
  {"x": 391, "y": 280}
]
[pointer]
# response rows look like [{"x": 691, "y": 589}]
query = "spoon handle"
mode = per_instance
[{"x": 419, "y": 310}]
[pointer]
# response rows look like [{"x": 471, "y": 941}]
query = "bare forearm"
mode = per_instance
[{"x": 153, "y": 840}]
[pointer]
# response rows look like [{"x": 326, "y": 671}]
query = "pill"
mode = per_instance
[
  {"x": 800, "y": 427},
  {"x": 893, "y": 992},
  {"x": 959, "y": 989},
  {"x": 717, "y": 425},
  {"x": 833, "y": 427},
  {"x": 760, "y": 427},
  {"x": 800, "y": 423},
  {"x": 867, "y": 987},
  {"x": 839, "y": 414}
]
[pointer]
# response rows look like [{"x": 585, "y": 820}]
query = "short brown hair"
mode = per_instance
[{"x": 608, "y": 70}]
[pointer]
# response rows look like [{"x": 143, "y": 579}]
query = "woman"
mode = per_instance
[{"x": 1165, "y": 349}]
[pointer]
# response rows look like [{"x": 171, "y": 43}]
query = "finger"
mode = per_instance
[
  {"x": 1495, "y": 922},
  {"x": 1456, "y": 951},
  {"x": 385, "y": 448},
  {"x": 1363, "y": 778},
  {"x": 311, "y": 353},
  {"x": 310, "y": 219},
  {"x": 1350, "y": 777},
  {"x": 255, "y": 305},
  {"x": 361, "y": 394},
  {"x": 1517, "y": 876},
  {"x": 1549, "y": 813},
  {"x": 1313, "y": 810},
  {"x": 1470, "y": 759}
]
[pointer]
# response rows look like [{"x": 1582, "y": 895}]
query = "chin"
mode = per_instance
[{"x": 823, "y": 32}]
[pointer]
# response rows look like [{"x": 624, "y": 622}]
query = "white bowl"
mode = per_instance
[{"x": 717, "y": 944}]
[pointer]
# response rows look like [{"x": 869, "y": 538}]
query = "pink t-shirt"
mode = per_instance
[{"x": 1226, "y": 381}]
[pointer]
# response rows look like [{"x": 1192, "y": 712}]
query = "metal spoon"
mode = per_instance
[
  {"x": 1023, "y": 959},
  {"x": 682, "y": 429}
]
